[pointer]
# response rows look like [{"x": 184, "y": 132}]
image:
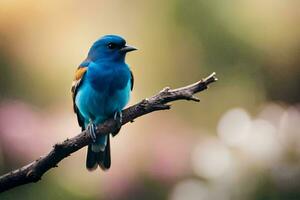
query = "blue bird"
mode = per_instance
[{"x": 100, "y": 90}]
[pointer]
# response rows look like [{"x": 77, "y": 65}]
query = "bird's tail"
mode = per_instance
[{"x": 99, "y": 154}]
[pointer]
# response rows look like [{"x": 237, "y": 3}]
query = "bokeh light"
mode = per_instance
[{"x": 241, "y": 141}]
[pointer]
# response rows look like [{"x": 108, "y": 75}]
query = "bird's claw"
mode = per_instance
[
  {"x": 118, "y": 117},
  {"x": 92, "y": 129}
]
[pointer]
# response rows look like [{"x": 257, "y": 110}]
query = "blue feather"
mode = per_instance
[{"x": 104, "y": 90}]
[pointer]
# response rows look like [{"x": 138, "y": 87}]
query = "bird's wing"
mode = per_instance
[
  {"x": 131, "y": 79},
  {"x": 79, "y": 74}
]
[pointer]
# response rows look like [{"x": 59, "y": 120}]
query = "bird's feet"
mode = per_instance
[
  {"x": 92, "y": 129},
  {"x": 118, "y": 117}
]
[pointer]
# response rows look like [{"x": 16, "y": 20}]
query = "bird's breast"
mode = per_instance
[
  {"x": 108, "y": 79},
  {"x": 101, "y": 97}
]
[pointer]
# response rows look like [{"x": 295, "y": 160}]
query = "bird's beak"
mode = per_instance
[{"x": 126, "y": 49}]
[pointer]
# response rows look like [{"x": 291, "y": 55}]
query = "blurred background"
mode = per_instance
[{"x": 241, "y": 141}]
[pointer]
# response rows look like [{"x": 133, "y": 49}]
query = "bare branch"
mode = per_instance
[{"x": 36, "y": 169}]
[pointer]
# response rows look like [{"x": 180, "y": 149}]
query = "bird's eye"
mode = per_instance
[{"x": 111, "y": 45}]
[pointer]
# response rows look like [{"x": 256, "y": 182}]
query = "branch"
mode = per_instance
[{"x": 35, "y": 170}]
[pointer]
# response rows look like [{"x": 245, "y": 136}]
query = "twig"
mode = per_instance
[{"x": 35, "y": 170}]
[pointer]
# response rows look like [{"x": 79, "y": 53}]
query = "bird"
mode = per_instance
[{"x": 100, "y": 90}]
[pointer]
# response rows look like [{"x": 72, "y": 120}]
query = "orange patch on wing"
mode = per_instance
[{"x": 79, "y": 73}]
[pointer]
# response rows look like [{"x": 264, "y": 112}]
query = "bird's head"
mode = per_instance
[{"x": 109, "y": 47}]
